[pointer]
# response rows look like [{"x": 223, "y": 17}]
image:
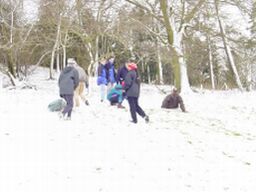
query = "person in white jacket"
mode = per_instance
[{"x": 83, "y": 82}]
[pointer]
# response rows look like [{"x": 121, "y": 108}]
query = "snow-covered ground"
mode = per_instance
[{"x": 211, "y": 148}]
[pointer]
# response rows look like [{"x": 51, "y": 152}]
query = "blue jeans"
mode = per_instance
[{"x": 102, "y": 91}]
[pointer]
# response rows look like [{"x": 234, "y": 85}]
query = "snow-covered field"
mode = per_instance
[{"x": 211, "y": 148}]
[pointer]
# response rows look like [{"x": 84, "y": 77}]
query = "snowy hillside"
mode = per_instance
[{"x": 211, "y": 148}]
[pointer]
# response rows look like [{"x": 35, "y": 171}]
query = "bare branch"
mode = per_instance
[{"x": 146, "y": 9}]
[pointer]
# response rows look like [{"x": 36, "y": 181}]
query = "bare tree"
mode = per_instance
[
  {"x": 227, "y": 48},
  {"x": 175, "y": 34}
]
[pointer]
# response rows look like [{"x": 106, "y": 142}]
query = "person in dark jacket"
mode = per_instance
[
  {"x": 115, "y": 96},
  {"x": 121, "y": 73},
  {"x": 132, "y": 89},
  {"x": 68, "y": 81},
  {"x": 173, "y": 101}
]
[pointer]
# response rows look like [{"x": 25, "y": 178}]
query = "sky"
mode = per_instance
[
  {"x": 236, "y": 19},
  {"x": 31, "y": 9}
]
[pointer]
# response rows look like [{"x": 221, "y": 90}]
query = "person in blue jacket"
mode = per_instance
[
  {"x": 102, "y": 78},
  {"x": 111, "y": 73},
  {"x": 115, "y": 96}
]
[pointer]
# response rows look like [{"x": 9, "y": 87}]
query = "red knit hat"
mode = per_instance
[{"x": 132, "y": 66}]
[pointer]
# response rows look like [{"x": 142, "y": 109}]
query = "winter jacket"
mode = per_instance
[
  {"x": 82, "y": 75},
  {"x": 172, "y": 101},
  {"x": 116, "y": 91},
  {"x": 68, "y": 81},
  {"x": 111, "y": 73},
  {"x": 132, "y": 85},
  {"x": 122, "y": 72},
  {"x": 102, "y": 75}
]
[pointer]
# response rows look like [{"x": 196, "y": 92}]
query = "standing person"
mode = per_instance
[
  {"x": 111, "y": 73},
  {"x": 132, "y": 89},
  {"x": 121, "y": 73},
  {"x": 173, "y": 101},
  {"x": 83, "y": 81},
  {"x": 68, "y": 81},
  {"x": 102, "y": 78}
]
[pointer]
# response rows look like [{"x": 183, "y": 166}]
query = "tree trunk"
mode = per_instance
[
  {"x": 180, "y": 70},
  {"x": 160, "y": 65},
  {"x": 130, "y": 45},
  {"x": 211, "y": 63},
  {"x": 64, "y": 48},
  {"x": 227, "y": 48},
  {"x": 142, "y": 76},
  {"x": 96, "y": 64},
  {"x": 58, "y": 61},
  {"x": 185, "y": 87},
  {"x": 89, "y": 49},
  {"x": 55, "y": 47},
  {"x": 249, "y": 77},
  {"x": 64, "y": 59},
  {"x": 175, "y": 41},
  {"x": 9, "y": 60},
  {"x": 232, "y": 63},
  {"x": 10, "y": 52},
  {"x": 148, "y": 73}
]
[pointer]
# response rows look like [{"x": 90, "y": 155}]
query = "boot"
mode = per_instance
[
  {"x": 146, "y": 119},
  {"x": 86, "y": 102},
  {"x": 120, "y": 106}
]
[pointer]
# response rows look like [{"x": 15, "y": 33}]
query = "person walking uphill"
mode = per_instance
[
  {"x": 68, "y": 82},
  {"x": 132, "y": 89}
]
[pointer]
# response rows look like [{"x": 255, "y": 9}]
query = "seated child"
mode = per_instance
[{"x": 115, "y": 96}]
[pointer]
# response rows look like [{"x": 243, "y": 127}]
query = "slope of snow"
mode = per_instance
[{"x": 210, "y": 148}]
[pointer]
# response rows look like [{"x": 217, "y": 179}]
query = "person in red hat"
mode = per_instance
[{"x": 132, "y": 90}]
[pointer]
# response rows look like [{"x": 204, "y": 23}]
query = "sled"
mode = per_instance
[{"x": 57, "y": 105}]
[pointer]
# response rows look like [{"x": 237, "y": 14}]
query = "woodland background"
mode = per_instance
[{"x": 186, "y": 43}]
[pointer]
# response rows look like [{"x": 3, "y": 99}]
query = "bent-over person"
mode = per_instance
[{"x": 173, "y": 101}]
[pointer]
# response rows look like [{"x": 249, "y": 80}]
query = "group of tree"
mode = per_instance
[{"x": 180, "y": 42}]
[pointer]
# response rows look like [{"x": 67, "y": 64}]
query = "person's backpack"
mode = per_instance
[{"x": 57, "y": 105}]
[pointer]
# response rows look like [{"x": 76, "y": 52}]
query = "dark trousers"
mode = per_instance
[
  {"x": 114, "y": 100},
  {"x": 69, "y": 106},
  {"x": 135, "y": 108}
]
